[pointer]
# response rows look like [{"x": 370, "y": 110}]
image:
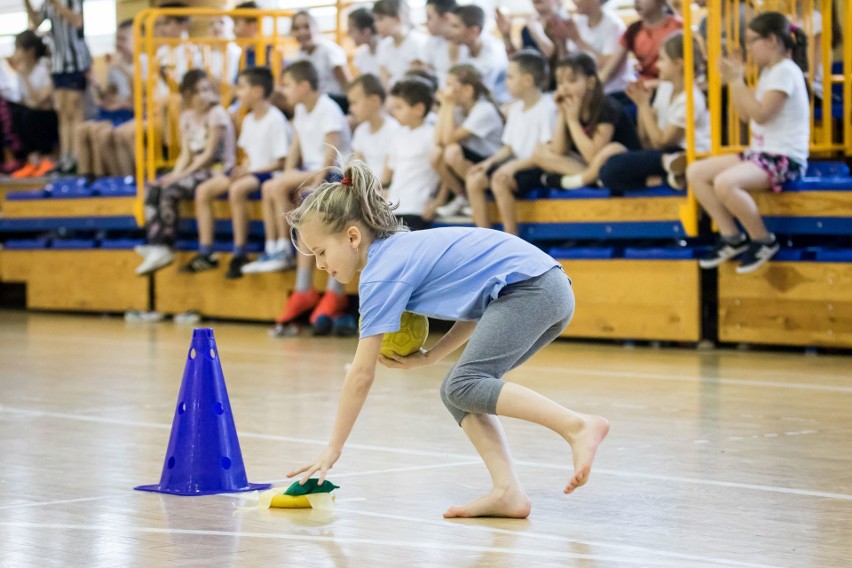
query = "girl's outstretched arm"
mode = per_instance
[{"x": 356, "y": 386}]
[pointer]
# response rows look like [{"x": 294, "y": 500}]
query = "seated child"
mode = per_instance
[
  {"x": 362, "y": 30},
  {"x": 373, "y": 138},
  {"x": 327, "y": 57}
]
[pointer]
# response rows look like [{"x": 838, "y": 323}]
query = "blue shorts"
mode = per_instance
[
  {"x": 74, "y": 81},
  {"x": 116, "y": 117},
  {"x": 259, "y": 176},
  {"x": 526, "y": 180}
]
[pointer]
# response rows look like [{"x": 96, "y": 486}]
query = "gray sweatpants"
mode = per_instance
[{"x": 525, "y": 317}]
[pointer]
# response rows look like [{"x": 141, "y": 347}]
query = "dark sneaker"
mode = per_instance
[
  {"x": 200, "y": 263},
  {"x": 322, "y": 326},
  {"x": 757, "y": 255},
  {"x": 723, "y": 250},
  {"x": 552, "y": 180},
  {"x": 345, "y": 326},
  {"x": 235, "y": 267}
]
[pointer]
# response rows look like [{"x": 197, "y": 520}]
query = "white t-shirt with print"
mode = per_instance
[
  {"x": 492, "y": 63},
  {"x": 485, "y": 125},
  {"x": 604, "y": 38},
  {"x": 673, "y": 112},
  {"x": 196, "y": 129},
  {"x": 397, "y": 59},
  {"x": 311, "y": 128},
  {"x": 414, "y": 181},
  {"x": 526, "y": 129},
  {"x": 325, "y": 57},
  {"x": 265, "y": 140},
  {"x": 788, "y": 133},
  {"x": 366, "y": 61},
  {"x": 375, "y": 146}
]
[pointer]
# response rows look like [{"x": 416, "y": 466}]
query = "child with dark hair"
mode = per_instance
[
  {"x": 409, "y": 176},
  {"x": 662, "y": 125},
  {"x": 207, "y": 142},
  {"x": 778, "y": 112},
  {"x": 484, "y": 51},
  {"x": 70, "y": 63},
  {"x": 441, "y": 51},
  {"x": 511, "y": 171},
  {"x": 591, "y": 127},
  {"x": 264, "y": 139},
  {"x": 31, "y": 127},
  {"x": 362, "y": 30},
  {"x": 373, "y": 137},
  {"x": 401, "y": 47}
]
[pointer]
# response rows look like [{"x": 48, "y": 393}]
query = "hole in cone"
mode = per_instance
[
  {"x": 171, "y": 462},
  {"x": 226, "y": 463},
  {"x": 192, "y": 353},
  {"x": 181, "y": 408},
  {"x": 212, "y": 354},
  {"x": 219, "y": 408}
]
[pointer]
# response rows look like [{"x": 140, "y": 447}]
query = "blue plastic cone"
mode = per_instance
[{"x": 204, "y": 453}]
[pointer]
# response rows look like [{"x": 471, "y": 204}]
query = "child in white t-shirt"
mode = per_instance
[
  {"x": 401, "y": 47},
  {"x": 362, "y": 30},
  {"x": 440, "y": 53},
  {"x": 264, "y": 138},
  {"x": 662, "y": 125},
  {"x": 321, "y": 137},
  {"x": 779, "y": 120},
  {"x": 409, "y": 176},
  {"x": 530, "y": 122},
  {"x": 327, "y": 57},
  {"x": 484, "y": 51},
  {"x": 469, "y": 130},
  {"x": 373, "y": 138}
]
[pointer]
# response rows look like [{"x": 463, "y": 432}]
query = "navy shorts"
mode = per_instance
[
  {"x": 472, "y": 156},
  {"x": 75, "y": 81},
  {"x": 526, "y": 180}
]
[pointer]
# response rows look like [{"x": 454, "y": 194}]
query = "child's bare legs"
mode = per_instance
[
  {"x": 575, "y": 173},
  {"x": 204, "y": 196},
  {"x": 701, "y": 177},
  {"x": 238, "y": 194},
  {"x": 101, "y": 141},
  {"x": 548, "y": 160},
  {"x": 440, "y": 165},
  {"x": 732, "y": 188},
  {"x": 456, "y": 162},
  {"x": 267, "y": 193},
  {"x": 70, "y": 110},
  {"x": 504, "y": 186},
  {"x": 83, "y": 135},
  {"x": 476, "y": 185},
  {"x": 124, "y": 136}
]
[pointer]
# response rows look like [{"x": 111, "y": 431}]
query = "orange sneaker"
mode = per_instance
[
  {"x": 44, "y": 167},
  {"x": 331, "y": 305},
  {"x": 298, "y": 303},
  {"x": 25, "y": 172}
]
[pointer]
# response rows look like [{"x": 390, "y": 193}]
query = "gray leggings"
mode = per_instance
[{"x": 525, "y": 317}]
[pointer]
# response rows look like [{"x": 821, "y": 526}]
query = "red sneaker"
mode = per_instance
[
  {"x": 331, "y": 305},
  {"x": 297, "y": 304}
]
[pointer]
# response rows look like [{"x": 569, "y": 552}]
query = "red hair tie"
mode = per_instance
[{"x": 346, "y": 181}]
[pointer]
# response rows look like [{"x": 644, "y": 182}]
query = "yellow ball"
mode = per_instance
[{"x": 413, "y": 330}]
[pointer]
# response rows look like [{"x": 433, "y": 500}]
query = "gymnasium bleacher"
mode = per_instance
[{"x": 632, "y": 257}]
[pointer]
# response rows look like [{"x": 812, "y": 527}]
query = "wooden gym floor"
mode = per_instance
[{"x": 719, "y": 458}]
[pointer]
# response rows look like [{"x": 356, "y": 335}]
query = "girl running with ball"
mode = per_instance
[{"x": 508, "y": 299}]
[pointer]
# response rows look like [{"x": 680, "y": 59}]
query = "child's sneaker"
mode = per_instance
[
  {"x": 157, "y": 257},
  {"x": 298, "y": 304},
  {"x": 188, "y": 317},
  {"x": 452, "y": 208},
  {"x": 269, "y": 262},
  {"x": 201, "y": 263},
  {"x": 345, "y": 326},
  {"x": 25, "y": 172},
  {"x": 235, "y": 267},
  {"x": 43, "y": 168},
  {"x": 331, "y": 305},
  {"x": 724, "y": 249},
  {"x": 675, "y": 166},
  {"x": 757, "y": 254},
  {"x": 322, "y": 326}
]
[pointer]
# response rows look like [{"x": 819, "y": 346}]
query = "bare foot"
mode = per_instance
[
  {"x": 507, "y": 503},
  {"x": 583, "y": 447}
]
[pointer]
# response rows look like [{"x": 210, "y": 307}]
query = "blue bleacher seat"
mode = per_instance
[
  {"x": 23, "y": 244},
  {"x": 836, "y": 255},
  {"x": 74, "y": 244},
  {"x": 121, "y": 244},
  {"x": 660, "y": 253},
  {"x": 790, "y": 255},
  {"x": 577, "y": 253},
  {"x": 26, "y": 195},
  {"x": 68, "y": 187}
]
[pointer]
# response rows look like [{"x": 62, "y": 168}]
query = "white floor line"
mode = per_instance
[
  {"x": 445, "y": 455},
  {"x": 571, "y": 370},
  {"x": 337, "y": 541},
  {"x": 51, "y": 503},
  {"x": 464, "y": 524}
]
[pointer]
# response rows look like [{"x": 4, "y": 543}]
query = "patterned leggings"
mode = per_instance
[{"x": 162, "y": 206}]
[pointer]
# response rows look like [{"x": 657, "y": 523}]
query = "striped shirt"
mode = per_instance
[{"x": 69, "y": 52}]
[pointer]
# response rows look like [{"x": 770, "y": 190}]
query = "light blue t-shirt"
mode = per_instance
[{"x": 449, "y": 273}]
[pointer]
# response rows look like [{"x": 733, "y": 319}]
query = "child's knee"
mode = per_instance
[
  {"x": 436, "y": 157},
  {"x": 453, "y": 154}
]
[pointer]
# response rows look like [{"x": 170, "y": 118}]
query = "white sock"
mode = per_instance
[
  {"x": 269, "y": 247},
  {"x": 572, "y": 181},
  {"x": 282, "y": 245}
]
